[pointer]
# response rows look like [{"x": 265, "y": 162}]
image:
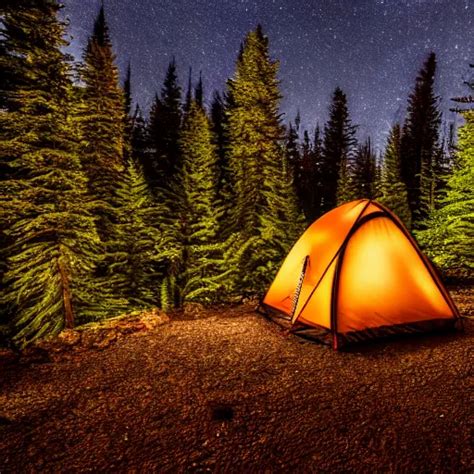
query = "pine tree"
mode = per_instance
[
  {"x": 364, "y": 174},
  {"x": 420, "y": 142},
  {"x": 257, "y": 162},
  {"x": 102, "y": 120},
  {"x": 394, "y": 192},
  {"x": 449, "y": 230},
  {"x": 202, "y": 210},
  {"x": 163, "y": 131},
  {"x": 163, "y": 168},
  {"x": 144, "y": 246},
  {"x": 338, "y": 144},
  {"x": 44, "y": 203}
]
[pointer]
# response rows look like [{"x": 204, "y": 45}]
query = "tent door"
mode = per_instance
[{"x": 296, "y": 295}]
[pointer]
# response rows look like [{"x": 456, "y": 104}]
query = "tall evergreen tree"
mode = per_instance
[
  {"x": 44, "y": 203},
  {"x": 145, "y": 244},
  {"x": 338, "y": 145},
  {"x": 449, "y": 230},
  {"x": 420, "y": 142},
  {"x": 394, "y": 191},
  {"x": 202, "y": 209},
  {"x": 102, "y": 120},
  {"x": 163, "y": 131},
  {"x": 162, "y": 168},
  {"x": 261, "y": 214}
]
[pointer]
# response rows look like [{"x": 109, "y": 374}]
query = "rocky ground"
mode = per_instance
[{"x": 232, "y": 392}]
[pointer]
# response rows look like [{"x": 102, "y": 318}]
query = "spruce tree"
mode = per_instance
[
  {"x": 338, "y": 146},
  {"x": 420, "y": 142},
  {"x": 202, "y": 209},
  {"x": 261, "y": 214},
  {"x": 145, "y": 243},
  {"x": 163, "y": 169},
  {"x": 449, "y": 230},
  {"x": 394, "y": 191},
  {"x": 44, "y": 204},
  {"x": 163, "y": 132},
  {"x": 102, "y": 120}
]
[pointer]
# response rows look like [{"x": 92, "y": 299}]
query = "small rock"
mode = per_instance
[{"x": 69, "y": 337}]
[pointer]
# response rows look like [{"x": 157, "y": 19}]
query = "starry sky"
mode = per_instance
[{"x": 372, "y": 49}]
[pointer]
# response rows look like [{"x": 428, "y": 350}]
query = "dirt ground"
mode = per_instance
[{"x": 232, "y": 392}]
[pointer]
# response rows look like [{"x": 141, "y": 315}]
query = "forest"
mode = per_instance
[{"x": 106, "y": 208}]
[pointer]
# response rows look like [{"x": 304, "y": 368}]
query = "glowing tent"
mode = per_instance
[{"x": 357, "y": 273}]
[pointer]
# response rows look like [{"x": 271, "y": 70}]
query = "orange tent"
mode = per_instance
[{"x": 357, "y": 273}]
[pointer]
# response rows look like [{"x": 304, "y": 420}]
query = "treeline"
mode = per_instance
[{"x": 104, "y": 209}]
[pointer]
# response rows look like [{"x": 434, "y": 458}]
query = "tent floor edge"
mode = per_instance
[
  {"x": 399, "y": 331},
  {"x": 314, "y": 334}
]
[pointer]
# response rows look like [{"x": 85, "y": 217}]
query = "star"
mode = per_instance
[{"x": 373, "y": 50}]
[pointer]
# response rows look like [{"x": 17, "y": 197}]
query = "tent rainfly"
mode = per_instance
[{"x": 357, "y": 273}]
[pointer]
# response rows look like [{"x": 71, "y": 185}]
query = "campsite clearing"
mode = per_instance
[{"x": 231, "y": 392}]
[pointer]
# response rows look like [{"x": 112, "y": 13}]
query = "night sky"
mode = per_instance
[{"x": 371, "y": 48}]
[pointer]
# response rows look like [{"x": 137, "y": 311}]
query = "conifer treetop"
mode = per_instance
[{"x": 101, "y": 30}]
